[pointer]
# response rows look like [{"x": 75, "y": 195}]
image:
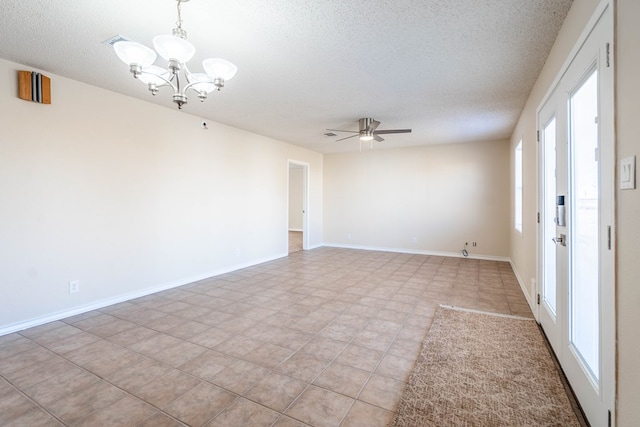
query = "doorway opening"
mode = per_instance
[{"x": 297, "y": 183}]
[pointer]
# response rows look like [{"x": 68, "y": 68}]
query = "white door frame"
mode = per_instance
[{"x": 305, "y": 202}]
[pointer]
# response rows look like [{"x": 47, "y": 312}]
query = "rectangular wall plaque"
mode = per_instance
[{"x": 34, "y": 87}]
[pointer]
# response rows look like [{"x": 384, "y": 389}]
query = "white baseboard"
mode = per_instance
[
  {"x": 29, "y": 323},
  {"x": 419, "y": 252},
  {"x": 525, "y": 291}
]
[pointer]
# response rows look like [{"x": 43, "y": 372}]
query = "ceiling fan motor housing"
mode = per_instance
[{"x": 365, "y": 123}]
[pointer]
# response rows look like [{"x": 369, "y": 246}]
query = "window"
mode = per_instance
[{"x": 518, "y": 187}]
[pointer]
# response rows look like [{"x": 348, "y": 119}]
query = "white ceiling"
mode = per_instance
[{"x": 452, "y": 70}]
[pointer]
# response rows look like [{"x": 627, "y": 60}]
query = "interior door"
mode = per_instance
[{"x": 576, "y": 187}]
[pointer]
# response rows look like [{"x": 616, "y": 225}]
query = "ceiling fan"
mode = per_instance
[{"x": 368, "y": 131}]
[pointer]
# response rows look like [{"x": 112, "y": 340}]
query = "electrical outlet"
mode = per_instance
[
  {"x": 475, "y": 244},
  {"x": 348, "y": 236},
  {"x": 74, "y": 286},
  {"x": 414, "y": 240}
]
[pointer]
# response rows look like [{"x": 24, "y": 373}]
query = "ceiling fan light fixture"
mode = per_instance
[{"x": 368, "y": 131}]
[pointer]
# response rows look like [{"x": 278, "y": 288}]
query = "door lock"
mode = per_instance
[
  {"x": 562, "y": 240},
  {"x": 560, "y": 212}
]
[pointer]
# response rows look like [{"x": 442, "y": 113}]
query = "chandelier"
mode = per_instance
[{"x": 177, "y": 50}]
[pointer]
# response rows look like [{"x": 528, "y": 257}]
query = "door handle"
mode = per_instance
[{"x": 562, "y": 240}]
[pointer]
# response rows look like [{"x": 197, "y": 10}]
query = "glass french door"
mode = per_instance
[
  {"x": 553, "y": 260},
  {"x": 576, "y": 205}
]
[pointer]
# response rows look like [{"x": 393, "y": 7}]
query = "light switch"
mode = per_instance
[{"x": 628, "y": 173}]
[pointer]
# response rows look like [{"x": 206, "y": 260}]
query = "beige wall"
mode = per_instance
[
  {"x": 445, "y": 195},
  {"x": 296, "y": 192},
  {"x": 523, "y": 247},
  {"x": 127, "y": 196},
  {"x": 628, "y": 212}
]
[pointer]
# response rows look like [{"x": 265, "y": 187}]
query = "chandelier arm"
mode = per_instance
[
  {"x": 195, "y": 82},
  {"x": 188, "y": 74},
  {"x": 167, "y": 82},
  {"x": 190, "y": 86}
]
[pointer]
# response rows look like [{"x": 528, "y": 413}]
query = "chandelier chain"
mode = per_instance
[{"x": 179, "y": 21}]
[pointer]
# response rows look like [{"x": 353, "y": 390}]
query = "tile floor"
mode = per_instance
[
  {"x": 324, "y": 338},
  {"x": 295, "y": 241}
]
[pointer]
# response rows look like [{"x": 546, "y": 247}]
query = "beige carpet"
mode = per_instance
[{"x": 480, "y": 369}]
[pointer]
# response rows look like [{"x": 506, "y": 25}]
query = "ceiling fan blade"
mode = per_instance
[
  {"x": 378, "y": 138},
  {"x": 383, "y": 132},
  {"x": 374, "y": 125},
  {"x": 341, "y": 130},
  {"x": 347, "y": 137}
]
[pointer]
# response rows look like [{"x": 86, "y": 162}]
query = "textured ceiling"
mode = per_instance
[{"x": 452, "y": 70}]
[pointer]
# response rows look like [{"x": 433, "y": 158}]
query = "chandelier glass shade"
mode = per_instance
[
  {"x": 177, "y": 51},
  {"x": 174, "y": 48}
]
